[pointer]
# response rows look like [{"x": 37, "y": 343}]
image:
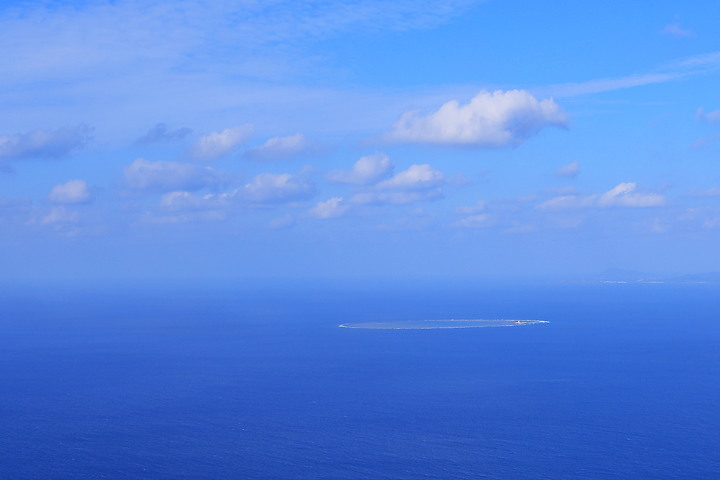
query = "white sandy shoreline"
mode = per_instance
[{"x": 441, "y": 324}]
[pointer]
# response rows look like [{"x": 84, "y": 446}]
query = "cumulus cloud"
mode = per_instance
[
  {"x": 161, "y": 133},
  {"x": 161, "y": 176},
  {"x": 417, "y": 183},
  {"x": 217, "y": 144},
  {"x": 474, "y": 221},
  {"x": 368, "y": 170},
  {"x": 60, "y": 215},
  {"x": 72, "y": 192},
  {"x": 331, "y": 208},
  {"x": 183, "y": 200},
  {"x": 281, "y": 148},
  {"x": 622, "y": 195},
  {"x": 571, "y": 170},
  {"x": 396, "y": 198},
  {"x": 44, "y": 143},
  {"x": 417, "y": 177},
  {"x": 185, "y": 217},
  {"x": 277, "y": 188},
  {"x": 712, "y": 117},
  {"x": 496, "y": 119}
]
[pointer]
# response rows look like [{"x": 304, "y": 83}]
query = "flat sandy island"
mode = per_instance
[{"x": 436, "y": 324}]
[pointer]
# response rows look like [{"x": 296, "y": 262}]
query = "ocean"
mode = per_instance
[{"x": 243, "y": 381}]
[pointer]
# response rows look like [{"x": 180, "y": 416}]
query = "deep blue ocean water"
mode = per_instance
[{"x": 237, "y": 381}]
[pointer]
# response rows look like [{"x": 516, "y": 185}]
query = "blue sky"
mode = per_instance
[{"x": 358, "y": 139}]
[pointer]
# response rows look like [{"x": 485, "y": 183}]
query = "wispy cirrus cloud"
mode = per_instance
[
  {"x": 677, "y": 70},
  {"x": 49, "y": 38},
  {"x": 218, "y": 50}
]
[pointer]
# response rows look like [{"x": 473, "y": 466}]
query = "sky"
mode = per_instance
[{"x": 370, "y": 139}]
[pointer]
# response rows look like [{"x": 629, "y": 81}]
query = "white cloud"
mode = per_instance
[
  {"x": 160, "y": 133},
  {"x": 44, "y": 143},
  {"x": 49, "y": 39},
  {"x": 496, "y": 119},
  {"x": 565, "y": 190},
  {"x": 168, "y": 176},
  {"x": 568, "y": 201},
  {"x": 712, "y": 117},
  {"x": 395, "y": 198},
  {"x": 472, "y": 209},
  {"x": 198, "y": 60},
  {"x": 368, "y": 170},
  {"x": 684, "y": 68},
  {"x": 183, "y": 200},
  {"x": 185, "y": 217},
  {"x": 281, "y": 148},
  {"x": 331, "y": 208},
  {"x": 416, "y": 177},
  {"x": 60, "y": 215},
  {"x": 622, "y": 195},
  {"x": 217, "y": 144},
  {"x": 611, "y": 84},
  {"x": 192, "y": 24},
  {"x": 708, "y": 192},
  {"x": 474, "y": 221},
  {"x": 417, "y": 183},
  {"x": 703, "y": 142},
  {"x": 711, "y": 223},
  {"x": 72, "y": 192},
  {"x": 571, "y": 170},
  {"x": 286, "y": 221},
  {"x": 520, "y": 228},
  {"x": 674, "y": 29},
  {"x": 277, "y": 188}
]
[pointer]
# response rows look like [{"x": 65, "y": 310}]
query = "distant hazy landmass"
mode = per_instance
[{"x": 437, "y": 324}]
